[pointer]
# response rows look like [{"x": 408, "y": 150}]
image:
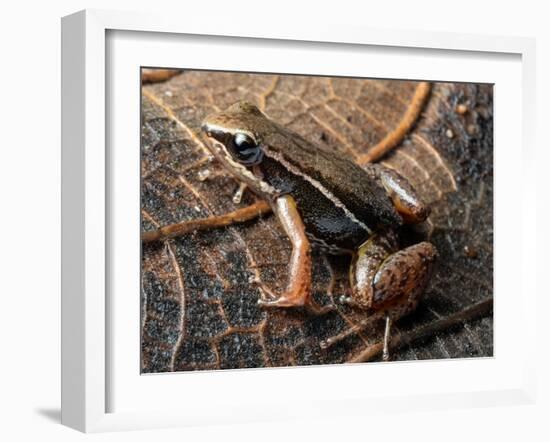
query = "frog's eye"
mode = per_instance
[{"x": 245, "y": 149}]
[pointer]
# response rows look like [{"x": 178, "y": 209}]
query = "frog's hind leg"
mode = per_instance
[
  {"x": 386, "y": 283},
  {"x": 366, "y": 264},
  {"x": 382, "y": 276},
  {"x": 402, "y": 278}
]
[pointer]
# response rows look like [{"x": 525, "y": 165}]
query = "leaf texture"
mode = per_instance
[{"x": 199, "y": 306}]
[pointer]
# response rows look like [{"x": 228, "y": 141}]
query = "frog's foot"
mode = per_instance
[
  {"x": 296, "y": 300},
  {"x": 238, "y": 195},
  {"x": 349, "y": 301},
  {"x": 318, "y": 310},
  {"x": 387, "y": 285},
  {"x": 297, "y": 295},
  {"x": 285, "y": 300},
  {"x": 266, "y": 294}
]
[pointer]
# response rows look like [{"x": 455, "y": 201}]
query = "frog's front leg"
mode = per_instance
[
  {"x": 298, "y": 292},
  {"x": 388, "y": 280}
]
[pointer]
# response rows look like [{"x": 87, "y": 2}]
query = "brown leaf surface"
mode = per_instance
[{"x": 198, "y": 304}]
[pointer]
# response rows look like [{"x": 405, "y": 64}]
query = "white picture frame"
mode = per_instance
[{"x": 87, "y": 211}]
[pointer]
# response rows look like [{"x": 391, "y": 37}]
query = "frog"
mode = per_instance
[{"x": 323, "y": 199}]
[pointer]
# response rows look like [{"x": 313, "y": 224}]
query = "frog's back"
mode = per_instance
[{"x": 338, "y": 178}]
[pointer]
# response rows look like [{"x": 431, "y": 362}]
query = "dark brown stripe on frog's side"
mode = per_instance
[
  {"x": 325, "y": 247},
  {"x": 325, "y": 218},
  {"x": 319, "y": 186},
  {"x": 365, "y": 198}
]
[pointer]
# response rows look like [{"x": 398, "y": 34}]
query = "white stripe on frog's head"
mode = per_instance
[
  {"x": 238, "y": 129},
  {"x": 239, "y": 170}
]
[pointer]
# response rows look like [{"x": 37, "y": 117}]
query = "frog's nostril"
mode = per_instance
[{"x": 206, "y": 129}]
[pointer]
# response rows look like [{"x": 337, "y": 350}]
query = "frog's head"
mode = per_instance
[
  {"x": 237, "y": 132},
  {"x": 236, "y": 136}
]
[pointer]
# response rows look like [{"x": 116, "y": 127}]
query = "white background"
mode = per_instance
[
  {"x": 30, "y": 221},
  {"x": 302, "y": 390}
]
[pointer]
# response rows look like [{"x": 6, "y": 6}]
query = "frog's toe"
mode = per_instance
[
  {"x": 345, "y": 299},
  {"x": 282, "y": 301},
  {"x": 348, "y": 300}
]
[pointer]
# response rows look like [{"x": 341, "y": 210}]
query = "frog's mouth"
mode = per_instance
[
  {"x": 214, "y": 146},
  {"x": 237, "y": 169},
  {"x": 218, "y": 149}
]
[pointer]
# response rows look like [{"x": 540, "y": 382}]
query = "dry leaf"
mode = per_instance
[{"x": 199, "y": 307}]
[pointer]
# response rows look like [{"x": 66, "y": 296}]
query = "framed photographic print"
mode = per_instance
[{"x": 268, "y": 212}]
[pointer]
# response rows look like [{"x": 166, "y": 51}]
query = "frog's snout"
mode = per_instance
[
  {"x": 206, "y": 129},
  {"x": 211, "y": 132}
]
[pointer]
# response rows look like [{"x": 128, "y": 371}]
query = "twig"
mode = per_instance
[
  {"x": 157, "y": 75},
  {"x": 426, "y": 331},
  {"x": 238, "y": 216},
  {"x": 394, "y": 137}
]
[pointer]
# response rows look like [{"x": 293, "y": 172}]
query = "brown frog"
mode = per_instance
[{"x": 324, "y": 199}]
